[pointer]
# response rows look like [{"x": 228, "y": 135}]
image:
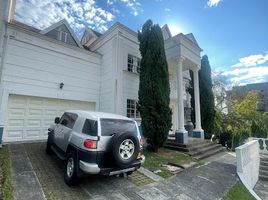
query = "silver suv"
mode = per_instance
[{"x": 95, "y": 143}]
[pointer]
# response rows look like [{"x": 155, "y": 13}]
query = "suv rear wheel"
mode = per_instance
[
  {"x": 70, "y": 171},
  {"x": 125, "y": 148}
]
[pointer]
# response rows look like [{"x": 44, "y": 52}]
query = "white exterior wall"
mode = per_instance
[
  {"x": 129, "y": 45},
  {"x": 35, "y": 65},
  {"x": 108, "y": 73},
  {"x": 117, "y": 84},
  {"x": 248, "y": 163}
]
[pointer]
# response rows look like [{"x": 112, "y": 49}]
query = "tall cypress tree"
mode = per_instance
[
  {"x": 154, "y": 87},
  {"x": 207, "y": 106}
]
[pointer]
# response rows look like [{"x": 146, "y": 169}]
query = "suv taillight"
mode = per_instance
[{"x": 90, "y": 144}]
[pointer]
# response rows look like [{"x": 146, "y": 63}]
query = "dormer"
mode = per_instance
[
  {"x": 63, "y": 32},
  {"x": 166, "y": 32},
  {"x": 89, "y": 37}
]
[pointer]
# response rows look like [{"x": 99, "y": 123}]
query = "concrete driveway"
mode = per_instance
[{"x": 39, "y": 176}]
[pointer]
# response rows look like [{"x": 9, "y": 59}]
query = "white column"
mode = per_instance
[
  {"x": 180, "y": 119},
  {"x": 198, "y": 127}
]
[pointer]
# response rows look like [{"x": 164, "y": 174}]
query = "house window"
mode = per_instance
[
  {"x": 133, "y": 64},
  {"x": 132, "y": 109},
  {"x": 62, "y": 36}
]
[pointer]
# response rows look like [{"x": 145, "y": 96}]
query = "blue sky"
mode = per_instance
[{"x": 233, "y": 33}]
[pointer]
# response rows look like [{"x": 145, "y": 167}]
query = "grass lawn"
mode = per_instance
[
  {"x": 238, "y": 192},
  {"x": 164, "y": 156},
  {"x": 5, "y": 165}
]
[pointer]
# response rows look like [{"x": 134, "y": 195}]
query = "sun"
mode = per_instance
[{"x": 174, "y": 29}]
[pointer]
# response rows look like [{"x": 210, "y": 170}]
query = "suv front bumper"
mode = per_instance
[{"x": 93, "y": 168}]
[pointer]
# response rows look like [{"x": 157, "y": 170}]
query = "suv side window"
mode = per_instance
[
  {"x": 90, "y": 127},
  {"x": 68, "y": 120}
]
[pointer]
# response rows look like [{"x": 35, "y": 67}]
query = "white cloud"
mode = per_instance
[
  {"x": 110, "y": 2},
  {"x": 247, "y": 75},
  {"x": 79, "y": 14},
  {"x": 249, "y": 69},
  {"x": 213, "y": 3},
  {"x": 167, "y": 9},
  {"x": 133, "y": 5},
  {"x": 252, "y": 60}
]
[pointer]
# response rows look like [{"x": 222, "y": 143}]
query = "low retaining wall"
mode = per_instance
[
  {"x": 248, "y": 163},
  {"x": 263, "y": 144}
]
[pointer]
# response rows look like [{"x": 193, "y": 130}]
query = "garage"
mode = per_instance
[{"x": 28, "y": 117}]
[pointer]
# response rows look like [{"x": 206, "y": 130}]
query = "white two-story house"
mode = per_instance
[{"x": 44, "y": 72}]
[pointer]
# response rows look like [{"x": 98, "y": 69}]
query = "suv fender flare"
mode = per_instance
[{"x": 72, "y": 147}]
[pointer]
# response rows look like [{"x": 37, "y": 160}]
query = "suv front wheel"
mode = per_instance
[
  {"x": 70, "y": 172},
  {"x": 49, "y": 143}
]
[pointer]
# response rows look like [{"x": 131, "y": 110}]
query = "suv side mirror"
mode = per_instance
[{"x": 57, "y": 120}]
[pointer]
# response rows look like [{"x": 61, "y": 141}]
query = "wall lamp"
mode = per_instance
[{"x": 61, "y": 85}]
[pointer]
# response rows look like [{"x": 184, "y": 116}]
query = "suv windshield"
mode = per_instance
[{"x": 111, "y": 126}]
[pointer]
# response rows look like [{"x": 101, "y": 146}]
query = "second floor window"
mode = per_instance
[
  {"x": 62, "y": 36},
  {"x": 133, "y": 64},
  {"x": 132, "y": 109}
]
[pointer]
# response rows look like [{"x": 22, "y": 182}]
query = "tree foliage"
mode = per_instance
[
  {"x": 207, "y": 107},
  {"x": 243, "y": 120},
  {"x": 154, "y": 87}
]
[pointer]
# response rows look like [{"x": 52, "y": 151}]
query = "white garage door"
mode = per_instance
[{"x": 29, "y": 117}]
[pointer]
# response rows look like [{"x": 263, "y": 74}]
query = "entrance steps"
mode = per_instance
[
  {"x": 198, "y": 148},
  {"x": 263, "y": 173}
]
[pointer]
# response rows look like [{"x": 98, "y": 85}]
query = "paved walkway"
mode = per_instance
[
  {"x": 208, "y": 182},
  {"x": 26, "y": 185}
]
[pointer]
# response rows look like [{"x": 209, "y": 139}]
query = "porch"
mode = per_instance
[{"x": 183, "y": 56}]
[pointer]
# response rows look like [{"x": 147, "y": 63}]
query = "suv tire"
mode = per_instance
[
  {"x": 49, "y": 143},
  {"x": 70, "y": 169},
  {"x": 125, "y": 148}
]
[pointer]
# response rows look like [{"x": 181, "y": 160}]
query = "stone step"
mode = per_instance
[
  {"x": 264, "y": 178},
  {"x": 263, "y": 172},
  {"x": 187, "y": 147},
  {"x": 200, "y": 146},
  {"x": 264, "y": 168},
  {"x": 210, "y": 153},
  {"x": 205, "y": 149},
  {"x": 264, "y": 163},
  {"x": 192, "y": 144},
  {"x": 264, "y": 157},
  {"x": 176, "y": 147}
]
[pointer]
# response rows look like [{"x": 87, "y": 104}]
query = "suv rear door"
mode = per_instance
[
  {"x": 63, "y": 130},
  {"x": 110, "y": 127}
]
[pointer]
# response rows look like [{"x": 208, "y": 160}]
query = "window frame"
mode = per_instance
[
  {"x": 71, "y": 116},
  {"x": 132, "y": 109},
  {"x": 133, "y": 64},
  {"x": 60, "y": 35},
  {"x": 90, "y": 121},
  {"x": 116, "y": 122}
]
